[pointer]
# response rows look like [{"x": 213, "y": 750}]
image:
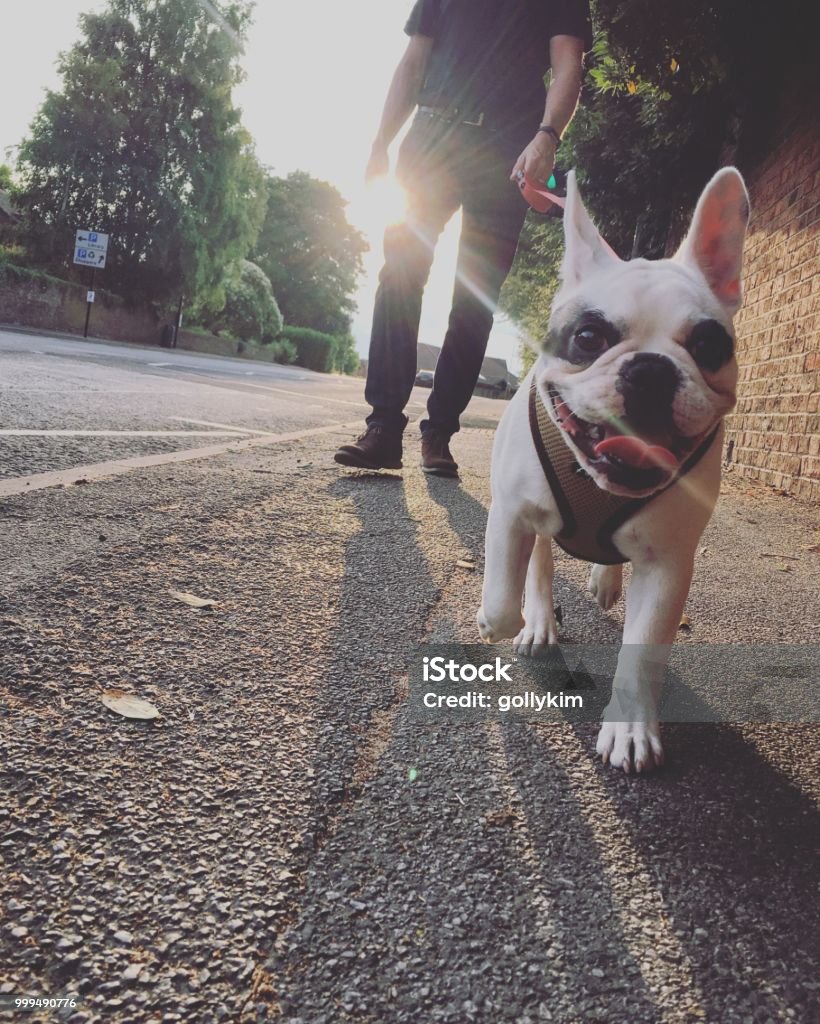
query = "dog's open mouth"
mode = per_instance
[{"x": 626, "y": 460}]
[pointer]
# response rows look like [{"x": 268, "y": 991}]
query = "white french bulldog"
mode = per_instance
[{"x": 635, "y": 375}]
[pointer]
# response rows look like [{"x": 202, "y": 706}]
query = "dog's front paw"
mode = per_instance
[
  {"x": 631, "y": 745},
  {"x": 497, "y": 627},
  {"x": 605, "y": 584},
  {"x": 537, "y": 636}
]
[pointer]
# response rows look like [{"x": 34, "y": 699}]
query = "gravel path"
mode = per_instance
[{"x": 283, "y": 843}]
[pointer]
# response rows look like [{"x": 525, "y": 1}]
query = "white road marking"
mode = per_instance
[
  {"x": 228, "y": 432},
  {"x": 300, "y": 394},
  {"x": 197, "y": 378},
  {"x": 221, "y": 426},
  {"x": 117, "y": 467},
  {"x": 318, "y": 398}
]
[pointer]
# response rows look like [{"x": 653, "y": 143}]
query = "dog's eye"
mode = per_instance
[
  {"x": 710, "y": 345},
  {"x": 587, "y": 344}
]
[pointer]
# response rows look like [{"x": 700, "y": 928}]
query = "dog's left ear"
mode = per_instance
[
  {"x": 715, "y": 241},
  {"x": 584, "y": 250}
]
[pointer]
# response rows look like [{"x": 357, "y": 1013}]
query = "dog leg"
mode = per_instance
[
  {"x": 507, "y": 552},
  {"x": 606, "y": 584},
  {"x": 540, "y": 628},
  {"x": 630, "y": 736}
]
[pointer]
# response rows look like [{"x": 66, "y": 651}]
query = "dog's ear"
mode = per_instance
[
  {"x": 715, "y": 241},
  {"x": 584, "y": 248}
]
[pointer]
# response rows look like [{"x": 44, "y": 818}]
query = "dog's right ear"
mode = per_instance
[{"x": 584, "y": 250}]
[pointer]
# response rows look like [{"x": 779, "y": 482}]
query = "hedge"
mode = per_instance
[{"x": 314, "y": 349}]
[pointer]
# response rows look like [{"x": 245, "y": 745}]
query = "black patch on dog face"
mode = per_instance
[
  {"x": 710, "y": 345},
  {"x": 584, "y": 338}
]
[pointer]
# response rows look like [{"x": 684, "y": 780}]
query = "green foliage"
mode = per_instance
[
  {"x": 250, "y": 311},
  {"x": 143, "y": 141},
  {"x": 315, "y": 350},
  {"x": 528, "y": 291},
  {"x": 345, "y": 357},
  {"x": 13, "y": 273},
  {"x": 673, "y": 90},
  {"x": 310, "y": 252},
  {"x": 284, "y": 351},
  {"x": 6, "y": 180}
]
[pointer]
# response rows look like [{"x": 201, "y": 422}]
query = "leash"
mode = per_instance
[{"x": 540, "y": 199}]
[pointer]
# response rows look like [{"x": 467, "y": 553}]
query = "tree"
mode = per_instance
[
  {"x": 6, "y": 181},
  {"x": 345, "y": 357},
  {"x": 143, "y": 142},
  {"x": 673, "y": 89},
  {"x": 310, "y": 252},
  {"x": 529, "y": 290},
  {"x": 250, "y": 311}
]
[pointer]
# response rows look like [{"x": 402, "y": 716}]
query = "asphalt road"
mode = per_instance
[{"x": 283, "y": 842}]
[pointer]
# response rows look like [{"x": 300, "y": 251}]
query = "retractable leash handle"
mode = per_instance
[
  {"x": 541, "y": 200},
  {"x": 537, "y": 196}
]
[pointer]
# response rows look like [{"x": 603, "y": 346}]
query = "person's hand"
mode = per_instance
[
  {"x": 537, "y": 161},
  {"x": 379, "y": 163}
]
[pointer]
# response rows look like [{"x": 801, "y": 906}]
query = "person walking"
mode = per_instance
[{"x": 474, "y": 71}]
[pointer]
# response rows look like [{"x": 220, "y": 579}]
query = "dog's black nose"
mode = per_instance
[{"x": 648, "y": 383}]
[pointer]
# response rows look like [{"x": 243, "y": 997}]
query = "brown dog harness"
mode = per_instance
[{"x": 589, "y": 515}]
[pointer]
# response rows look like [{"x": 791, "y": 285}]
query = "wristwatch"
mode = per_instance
[{"x": 547, "y": 129}]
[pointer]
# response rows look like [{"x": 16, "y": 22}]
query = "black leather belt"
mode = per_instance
[{"x": 451, "y": 115}]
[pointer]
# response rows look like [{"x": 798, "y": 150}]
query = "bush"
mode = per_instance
[
  {"x": 250, "y": 312},
  {"x": 314, "y": 349},
  {"x": 284, "y": 351},
  {"x": 345, "y": 356}
]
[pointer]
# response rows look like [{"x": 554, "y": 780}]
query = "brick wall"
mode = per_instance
[
  {"x": 52, "y": 305},
  {"x": 775, "y": 429}
]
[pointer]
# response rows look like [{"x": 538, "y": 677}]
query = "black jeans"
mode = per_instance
[{"x": 443, "y": 167}]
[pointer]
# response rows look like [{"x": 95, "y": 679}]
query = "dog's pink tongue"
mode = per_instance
[{"x": 635, "y": 452}]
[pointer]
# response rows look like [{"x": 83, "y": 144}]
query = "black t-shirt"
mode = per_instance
[{"x": 491, "y": 56}]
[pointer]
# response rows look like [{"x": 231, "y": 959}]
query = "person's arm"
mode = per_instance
[
  {"x": 567, "y": 62},
  {"x": 402, "y": 96}
]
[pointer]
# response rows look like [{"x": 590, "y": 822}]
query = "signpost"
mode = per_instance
[{"x": 90, "y": 250}]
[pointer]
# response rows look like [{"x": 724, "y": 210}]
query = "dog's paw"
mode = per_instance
[
  {"x": 537, "y": 636},
  {"x": 631, "y": 746},
  {"x": 606, "y": 585},
  {"x": 499, "y": 627}
]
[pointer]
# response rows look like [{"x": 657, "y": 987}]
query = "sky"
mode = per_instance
[{"x": 317, "y": 75}]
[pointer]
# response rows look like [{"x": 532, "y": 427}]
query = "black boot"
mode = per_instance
[
  {"x": 377, "y": 448},
  {"x": 435, "y": 454}
]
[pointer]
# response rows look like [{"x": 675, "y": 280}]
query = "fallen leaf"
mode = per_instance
[
  {"x": 462, "y": 563},
  {"x": 191, "y": 599},
  {"x": 129, "y": 706},
  {"x": 501, "y": 817},
  {"x": 685, "y": 623},
  {"x": 783, "y": 567}
]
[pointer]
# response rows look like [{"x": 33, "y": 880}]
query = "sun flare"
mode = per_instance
[{"x": 378, "y": 205}]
